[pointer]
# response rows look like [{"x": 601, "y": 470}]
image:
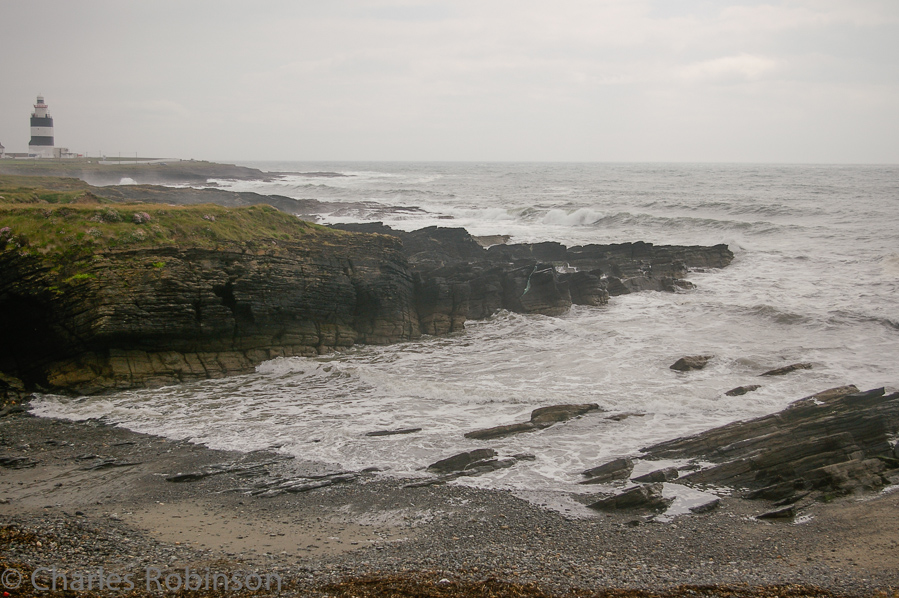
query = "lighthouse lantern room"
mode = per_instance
[{"x": 41, "y": 143}]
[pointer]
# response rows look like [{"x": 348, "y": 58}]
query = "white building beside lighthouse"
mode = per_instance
[{"x": 41, "y": 143}]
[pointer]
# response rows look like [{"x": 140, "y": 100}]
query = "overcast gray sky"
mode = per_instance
[{"x": 570, "y": 80}]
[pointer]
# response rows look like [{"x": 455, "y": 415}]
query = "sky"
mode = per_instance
[{"x": 783, "y": 81}]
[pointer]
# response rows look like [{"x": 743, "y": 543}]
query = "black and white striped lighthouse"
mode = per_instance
[{"x": 41, "y": 143}]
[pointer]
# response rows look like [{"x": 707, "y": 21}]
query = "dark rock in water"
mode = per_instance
[
  {"x": 645, "y": 496},
  {"x": 586, "y": 288},
  {"x": 659, "y": 475},
  {"x": 457, "y": 279},
  {"x": 787, "y": 369},
  {"x": 616, "y": 287},
  {"x": 691, "y": 362},
  {"x": 540, "y": 418},
  {"x": 832, "y": 442},
  {"x": 545, "y": 416},
  {"x": 460, "y": 461},
  {"x": 393, "y": 432},
  {"x": 537, "y": 290},
  {"x": 618, "y": 469},
  {"x": 500, "y": 431},
  {"x": 742, "y": 390}
]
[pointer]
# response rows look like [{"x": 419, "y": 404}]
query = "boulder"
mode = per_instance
[
  {"x": 586, "y": 288},
  {"x": 659, "y": 475},
  {"x": 546, "y": 416},
  {"x": 644, "y": 496},
  {"x": 691, "y": 362},
  {"x": 461, "y": 461},
  {"x": 618, "y": 469},
  {"x": 540, "y": 418},
  {"x": 742, "y": 390}
]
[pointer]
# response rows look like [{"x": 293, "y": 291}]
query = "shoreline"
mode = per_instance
[
  {"x": 83, "y": 495},
  {"x": 128, "y": 517}
]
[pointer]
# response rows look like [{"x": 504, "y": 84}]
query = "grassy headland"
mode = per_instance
[{"x": 64, "y": 220}]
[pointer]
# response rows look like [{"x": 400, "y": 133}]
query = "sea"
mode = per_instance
[{"x": 815, "y": 279}]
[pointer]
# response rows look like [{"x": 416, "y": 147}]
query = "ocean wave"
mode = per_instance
[
  {"x": 851, "y": 318},
  {"x": 621, "y": 219},
  {"x": 413, "y": 192},
  {"x": 579, "y": 217},
  {"x": 778, "y": 315}
]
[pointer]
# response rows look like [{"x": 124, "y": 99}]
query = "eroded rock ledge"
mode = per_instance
[
  {"x": 457, "y": 280},
  {"x": 99, "y": 297},
  {"x": 836, "y": 441}
]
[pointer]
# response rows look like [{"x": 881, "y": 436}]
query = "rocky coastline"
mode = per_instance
[
  {"x": 127, "y": 292},
  {"x": 144, "y": 294}
]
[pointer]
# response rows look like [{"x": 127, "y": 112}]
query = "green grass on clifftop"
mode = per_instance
[
  {"x": 48, "y": 229},
  {"x": 63, "y": 218},
  {"x": 16, "y": 189}
]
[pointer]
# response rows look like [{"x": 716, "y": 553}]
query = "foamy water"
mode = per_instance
[{"x": 815, "y": 279}]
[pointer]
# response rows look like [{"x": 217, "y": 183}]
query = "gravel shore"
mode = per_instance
[{"x": 84, "y": 495}]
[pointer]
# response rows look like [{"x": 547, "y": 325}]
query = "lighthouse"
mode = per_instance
[{"x": 41, "y": 143}]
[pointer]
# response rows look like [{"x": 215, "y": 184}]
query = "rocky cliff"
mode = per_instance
[
  {"x": 97, "y": 295},
  {"x": 456, "y": 279},
  {"x": 125, "y": 305}
]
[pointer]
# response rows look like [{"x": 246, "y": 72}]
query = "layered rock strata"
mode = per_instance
[
  {"x": 456, "y": 279},
  {"x": 153, "y": 316},
  {"x": 834, "y": 442}
]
